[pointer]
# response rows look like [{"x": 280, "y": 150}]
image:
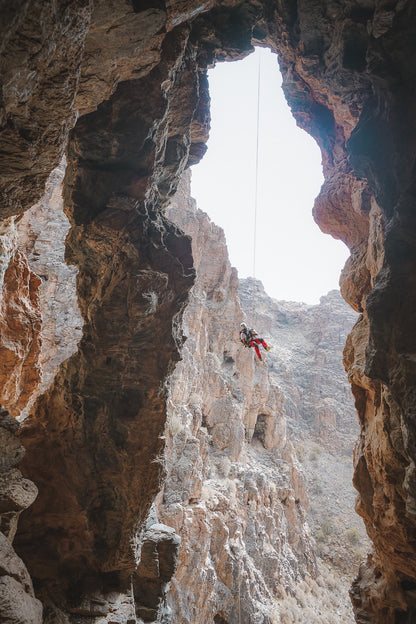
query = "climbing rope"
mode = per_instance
[
  {"x": 256, "y": 186},
  {"x": 239, "y": 592}
]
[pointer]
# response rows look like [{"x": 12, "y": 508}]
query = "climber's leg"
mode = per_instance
[{"x": 256, "y": 349}]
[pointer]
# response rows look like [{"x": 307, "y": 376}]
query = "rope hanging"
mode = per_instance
[
  {"x": 239, "y": 592},
  {"x": 256, "y": 186}
]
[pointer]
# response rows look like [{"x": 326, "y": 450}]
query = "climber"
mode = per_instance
[{"x": 250, "y": 338}]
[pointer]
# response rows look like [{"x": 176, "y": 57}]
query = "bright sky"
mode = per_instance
[{"x": 294, "y": 259}]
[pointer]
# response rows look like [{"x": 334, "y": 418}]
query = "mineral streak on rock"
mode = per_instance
[
  {"x": 20, "y": 327},
  {"x": 233, "y": 489},
  {"x": 349, "y": 74}
]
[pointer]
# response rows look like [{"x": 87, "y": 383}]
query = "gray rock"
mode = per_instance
[{"x": 16, "y": 605}]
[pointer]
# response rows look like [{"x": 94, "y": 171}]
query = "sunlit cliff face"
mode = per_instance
[{"x": 121, "y": 88}]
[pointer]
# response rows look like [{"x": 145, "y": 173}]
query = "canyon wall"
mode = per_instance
[
  {"x": 231, "y": 471},
  {"x": 233, "y": 490},
  {"x": 306, "y": 363},
  {"x": 121, "y": 87}
]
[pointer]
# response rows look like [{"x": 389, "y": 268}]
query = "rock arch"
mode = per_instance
[{"x": 349, "y": 71}]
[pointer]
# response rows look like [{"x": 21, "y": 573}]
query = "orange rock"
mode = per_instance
[{"x": 20, "y": 341}]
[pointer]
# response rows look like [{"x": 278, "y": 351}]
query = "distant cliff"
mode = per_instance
[
  {"x": 234, "y": 492},
  {"x": 306, "y": 363},
  {"x": 243, "y": 447}
]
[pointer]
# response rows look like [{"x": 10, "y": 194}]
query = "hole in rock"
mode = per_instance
[
  {"x": 228, "y": 359},
  {"x": 260, "y": 428},
  {"x": 293, "y": 258},
  {"x": 355, "y": 54},
  {"x": 408, "y": 585}
]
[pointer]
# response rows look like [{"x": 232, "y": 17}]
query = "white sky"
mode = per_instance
[{"x": 294, "y": 259}]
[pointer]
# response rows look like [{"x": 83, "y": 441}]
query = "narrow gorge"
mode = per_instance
[{"x": 151, "y": 470}]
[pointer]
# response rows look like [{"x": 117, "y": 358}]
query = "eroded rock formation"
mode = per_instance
[
  {"x": 306, "y": 364},
  {"x": 19, "y": 333},
  {"x": 133, "y": 74},
  {"x": 41, "y": 234},
  {"x": 17, "y": 599},
  {"x": 234, "y": 491}
]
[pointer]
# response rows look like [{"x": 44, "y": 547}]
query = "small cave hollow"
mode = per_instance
[
  {"x": 260, "y": 429},
  {"x": 228, "y": 358}
]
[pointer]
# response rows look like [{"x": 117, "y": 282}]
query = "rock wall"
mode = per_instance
[
  {"x": 41, "y": 234},
  {"x": 132, "y": 77},
  {"x": 17, "y": 598},
  {"x": 234, "y": 491},
  {"x": 306, "y": 363}
]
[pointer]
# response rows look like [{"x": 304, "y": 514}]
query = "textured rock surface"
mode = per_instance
[
  {"x": 158, "y": 561},
  {"x": 306, "y": 363},
  {"x": 20, "y": 325},
  {"x": 349, "y": 71},
  {"x": 233, "y": 490},
  {"x": 41, "y": 236},
  {"x": 41, "y": 52},
  {"x": 17, "y": 600}
]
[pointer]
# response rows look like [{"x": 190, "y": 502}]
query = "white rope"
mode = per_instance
[
  {"x": 239, "y": 592},
  {"x": 256, "y": 187}
]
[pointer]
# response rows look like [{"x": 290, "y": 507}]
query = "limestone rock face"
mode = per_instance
[
  {"x": 234, "y": 491},
  {"x": 132, "y": 77},
  {"x": 17, "y": 600},
  {"x": 40, "y": 323},
  {"x": 41, "y": 234},
  {"x": 20, "y": 325},
  {"x": 158, "y": 561},
  {"x": 305, "y": 361}
]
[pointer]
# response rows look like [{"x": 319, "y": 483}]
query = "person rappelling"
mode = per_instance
[{"x": 250, "y": 338}]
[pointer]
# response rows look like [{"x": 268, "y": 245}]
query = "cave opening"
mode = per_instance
[
  {"x": 260, "y": 429},
  {"x": 373, "y": 57},
  {"x": 290, "y": 255}
]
